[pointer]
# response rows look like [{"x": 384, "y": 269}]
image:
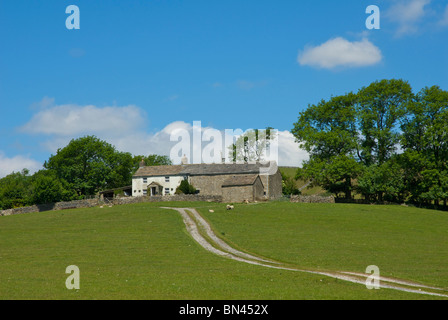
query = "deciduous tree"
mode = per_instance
[{"x": 89, "y": 164}]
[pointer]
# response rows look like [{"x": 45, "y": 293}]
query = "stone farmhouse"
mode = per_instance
[{"x": 235, "y": 182}]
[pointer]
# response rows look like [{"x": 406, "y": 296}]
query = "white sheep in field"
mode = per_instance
[{"x": 230, "y": 207}]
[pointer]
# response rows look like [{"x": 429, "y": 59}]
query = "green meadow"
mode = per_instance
[{"x": 141, "y": 251}]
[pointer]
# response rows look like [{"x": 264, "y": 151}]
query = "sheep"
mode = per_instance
[{"x": 230, "y": 207}]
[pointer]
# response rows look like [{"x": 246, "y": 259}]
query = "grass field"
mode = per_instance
[{"x": 141, "y": 251}]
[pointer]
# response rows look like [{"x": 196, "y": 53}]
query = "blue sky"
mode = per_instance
[{"x": 134, "y": 69}]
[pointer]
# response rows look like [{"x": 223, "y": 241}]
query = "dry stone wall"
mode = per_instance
[
  {"x": 177, "y": 198},
  {"x": 52, "y": 206},
  {"x": 312, "y": 199},
  {"x": 117, "y": 201}
]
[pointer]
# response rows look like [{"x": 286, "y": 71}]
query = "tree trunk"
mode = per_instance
[
  {"x": 348, "y": 188},
  {"x": 367, "y": 197}
]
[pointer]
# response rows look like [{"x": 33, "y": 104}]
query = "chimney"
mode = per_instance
[
  {"x": 184, "y": 160},
  {"x": 142, "y": 163}
]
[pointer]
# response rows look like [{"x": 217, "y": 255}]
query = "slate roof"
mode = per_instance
[
  {"x": 221, "y": 168},
  {"x": 154, "y": 184},
  {"x": 200, "y": 169},
  {"x": 158, "y": 171},
  {"x": 240, "y": 180}
]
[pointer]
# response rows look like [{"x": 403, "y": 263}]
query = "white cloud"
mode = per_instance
[
  {"x": 289, "y": 153},
  {"x": 176, "y": 125},
  {"x": 46, "y": 102},
  {"x": 141, "y": 143},
  {"x": 17, "y": 164},
  {"x": 444, "y": 21},
  {"x": 249, "y": 85},
  {"x": 408, "y": 15},
  {"x": 339, "y": 52},
  {"x": 124, "y": 128},
  {"x": 69, "y": 120}
]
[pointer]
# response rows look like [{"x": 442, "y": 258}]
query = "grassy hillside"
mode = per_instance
[
  {"x": 404, "y": 242},
  {"x": 143, "y": 252},
  {"x": 312, "y": 190}
]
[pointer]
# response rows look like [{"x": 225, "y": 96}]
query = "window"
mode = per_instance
[
  {"x": 167, "y": 179},
  {"x": 145, "y": 192},
  {"x": 145, "y": 180},
  {"x": 167, "y": 190}
]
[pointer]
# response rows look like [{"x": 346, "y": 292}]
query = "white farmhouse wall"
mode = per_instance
[{"x": 138, "y": 186}]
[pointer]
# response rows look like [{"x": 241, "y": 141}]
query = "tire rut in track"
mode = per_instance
[{"x": 212, "y": 243}]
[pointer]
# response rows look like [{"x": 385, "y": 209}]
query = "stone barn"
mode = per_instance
[
  {"x": 242, "y": 188},
  {"x": 212, "y": 179}
]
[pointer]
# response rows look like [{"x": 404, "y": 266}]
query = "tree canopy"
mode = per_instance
[
  {"x": 252, "y": 145},
  {"x": 90, "y": 165},
  {"x": 384, "y": 142},
  {"x": 151, "y": 160},
  {"x": 82, "y": 168}
]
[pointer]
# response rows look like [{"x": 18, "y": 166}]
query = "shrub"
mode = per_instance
[
  {"x": 185, "y": 188},
  {"x": 289, "y": 186}
]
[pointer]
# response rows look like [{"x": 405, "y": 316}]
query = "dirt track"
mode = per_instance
[{"x": 202, "y": 233}]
